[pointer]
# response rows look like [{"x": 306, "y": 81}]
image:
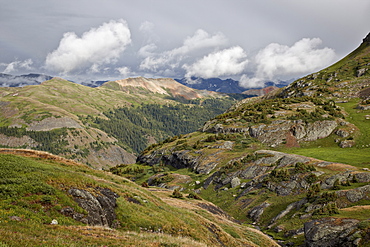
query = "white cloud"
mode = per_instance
[
  {"x": 124, "y": 71},
  {"x": 231, "y": 61},
  {"x": 98, "y": 46},
  {"x": 172, "y": 59},
  {"x": 17, "y": 65},
  {"x": 277, "y": 61},
  {"x": 255, "y": 82}
]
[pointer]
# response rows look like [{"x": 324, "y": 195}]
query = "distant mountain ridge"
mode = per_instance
[
  {"x": 7, "y": 80},
  {"x": 223, "y": 86}
]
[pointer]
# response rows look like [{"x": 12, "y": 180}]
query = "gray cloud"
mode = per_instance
[{"x": 96, "y": 47}]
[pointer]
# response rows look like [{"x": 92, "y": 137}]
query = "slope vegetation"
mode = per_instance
[
  {"x": 294, "y": 162},
  {"x": 102, "y": 126},
  {"x": 46, "y": 200}
]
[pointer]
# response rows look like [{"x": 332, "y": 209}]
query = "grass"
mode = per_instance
[
  {"x": 33, "y": 191},
  {"x": 326, "y": 149}
]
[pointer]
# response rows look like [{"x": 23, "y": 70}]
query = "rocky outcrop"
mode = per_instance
[
  {"x": 355, "y": 195},
  {"x": 279, "y": 131},
  {"x": 256, "y": 212},
  {"x": 54, "y": 123},
  {"x": 12, "y": 141},
  {"x": 347, "y": 143},
  {"x": 179, "y": 160},
  {"x": 100, "y": 207},
  {"x": 110, "y": 156},
  {"x": 331, "y": 232}
]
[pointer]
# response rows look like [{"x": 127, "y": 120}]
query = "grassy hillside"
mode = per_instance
[
  {"x": 101, "y": 126},
  {"x": 282, "y": 161},
  {"x": 34, "y": 191}
]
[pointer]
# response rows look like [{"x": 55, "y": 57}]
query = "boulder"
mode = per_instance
[
  {"x": 100, "y": 207},
  {"x": 235, "y": 182},
  {"x": 347, "y": 143}
]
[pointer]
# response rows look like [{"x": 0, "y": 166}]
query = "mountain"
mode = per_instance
[
  {"x": 7, "y": 80},
  {"x": 294, "y": 162},
  {"x": 106, "y": 125},
  {"x": 218, "y": 85},
  {"x": 47, "y": 200}
]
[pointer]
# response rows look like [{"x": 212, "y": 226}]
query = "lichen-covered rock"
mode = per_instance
[
  {"x": 347, "y": 143},
  {"x": 278, "y": 131},
  {"x": 256, "y": 212},
  {"x": 330, "y": 232},
  {"x": 357, "y": 194},
  {"x": 100, "y": 207},
  {"x": 342, "y": 133},
  {"x": 235, "y": 182},
  {"x": 319, "y": 129}
]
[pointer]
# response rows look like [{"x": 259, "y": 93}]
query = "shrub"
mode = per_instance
[
  {"x": 177, "y": 194},
  {"x": 193, "y": 195}
]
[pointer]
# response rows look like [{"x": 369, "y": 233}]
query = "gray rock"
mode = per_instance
[
  {"x": 100, "y": 208},
  {"x": 320, "y": 129},
  {"x": 256, "y": 212},
  {"x": 361, "y": 72},
  {"x": 357, "y": 194},
  {"x": 342, "y": 177},
  {"x": 342, "y": 133},
  {"x": 235, "y": 182},
  {"x": 225, "y": 145},
  {"x": 330, "y": 232},
  {"x": 362, "y": 177},
  {"x": 347, "y": 143}
]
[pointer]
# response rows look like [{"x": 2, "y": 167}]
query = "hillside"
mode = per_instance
[
  {"x": 46, "y": 200},
  {"x": 294, "y": 162},
  {"x": 102, "y": 126}
]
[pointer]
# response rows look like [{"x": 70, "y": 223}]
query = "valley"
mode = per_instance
[{"x": 168, "y": 165}]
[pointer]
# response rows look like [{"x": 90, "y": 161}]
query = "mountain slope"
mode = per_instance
[
  {"x": 51, "y": 201},
  {"x": 295, "y": 162},
  {"x": 102, "y": 126}
]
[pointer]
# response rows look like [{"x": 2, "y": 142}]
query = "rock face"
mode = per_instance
[
  {"x": 327, "y": 232},
  {"x": 100, "y": 207},
  {"x": 54, "y": 123},
  {"x": 256, "y": 212},
  {"x": 279, "y": 131}
]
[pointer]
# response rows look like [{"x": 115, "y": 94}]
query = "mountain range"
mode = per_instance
[
  {"x": 213, "y": 84},
  {"x": 292, "y": 163}
]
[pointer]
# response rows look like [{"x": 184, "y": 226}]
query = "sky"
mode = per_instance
[{"x": 252, "y": 41}]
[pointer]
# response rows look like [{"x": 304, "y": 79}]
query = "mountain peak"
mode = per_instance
[{"x": 367, "y": 39}]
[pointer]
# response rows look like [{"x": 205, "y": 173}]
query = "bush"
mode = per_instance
[
  {"x": 177, "y": 194},
  {"x": 193, "y": 195}
]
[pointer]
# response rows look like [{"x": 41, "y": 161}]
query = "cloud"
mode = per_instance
[
  {"x": 167, "y": 61},
  {"x": 124, "y": 71},
  {"x": 17, "y": 65},
  {"x": 255, "y": 82},
  {"x": 277, "y": 61},
  {"x": 231, "y": 61},
  {"x": 96, "y": 47}
]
